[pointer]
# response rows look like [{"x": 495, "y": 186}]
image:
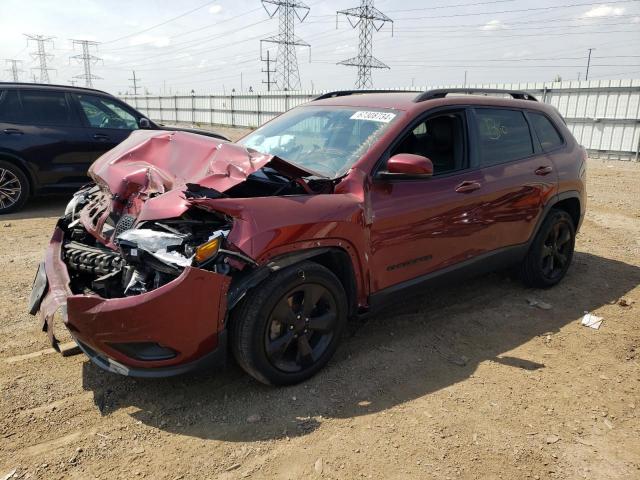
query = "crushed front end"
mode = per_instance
[
  {"x": 137, "y": 272},
  {"x": 140, "y": 299}
]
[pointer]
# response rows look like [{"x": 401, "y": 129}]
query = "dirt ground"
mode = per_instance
[{"x": 467, "y": 382}]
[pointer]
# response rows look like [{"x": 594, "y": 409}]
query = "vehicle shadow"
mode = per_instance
[
  {"x": 41, "y": 207},
  {"x": 399, "y": 355}
]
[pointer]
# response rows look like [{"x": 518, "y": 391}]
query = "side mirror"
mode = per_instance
[
  {"x": 144, "y": 123},
  {"x": 408, "y": 165}
]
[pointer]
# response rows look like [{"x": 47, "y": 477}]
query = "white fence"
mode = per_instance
[{"x": 604, "y": 116}]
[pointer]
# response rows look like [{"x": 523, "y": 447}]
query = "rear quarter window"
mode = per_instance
[
  {"x": 9, "y": 106},
  {"x": 546, "y": 132},
  {"x": 503, "y": 136}
]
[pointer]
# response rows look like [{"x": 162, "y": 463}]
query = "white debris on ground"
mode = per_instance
[{"x": 592, "y": 321}]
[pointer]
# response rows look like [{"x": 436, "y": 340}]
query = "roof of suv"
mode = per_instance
[
  {"x": 419, "y": 101},
  {"x": 49, "y": 86}
]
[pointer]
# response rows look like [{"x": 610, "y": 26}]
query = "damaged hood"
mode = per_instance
[{"x": 151, "y": 163}]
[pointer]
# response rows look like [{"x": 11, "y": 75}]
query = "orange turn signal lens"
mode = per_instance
[{"x": 207, "y": 250}]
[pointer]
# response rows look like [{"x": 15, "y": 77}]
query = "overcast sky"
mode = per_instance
[{"x": 208, "y": 46}]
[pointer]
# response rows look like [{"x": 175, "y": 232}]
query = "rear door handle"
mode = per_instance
[
  {"x": 13, "y": 131},
  {"x": 467, "y": 187},
  {"x": 101, "y": 136},
  {"x": 546, "y": 170}
]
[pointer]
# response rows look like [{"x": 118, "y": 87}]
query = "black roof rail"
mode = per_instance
[
  {"x": 49, "y": 86},
  {"x": 344, "y": 93},
  {"x": 443, "y": 92}
]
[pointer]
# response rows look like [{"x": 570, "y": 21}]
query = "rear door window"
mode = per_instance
[
  {"x": 9, "y": 106},
  {"x": 41, "y": 107},
  {"x": 503, "y": 136},
  {"x": 546, "y": 132}
]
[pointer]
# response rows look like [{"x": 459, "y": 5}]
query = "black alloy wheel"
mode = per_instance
[
  {"x": 300, "y": 327},
  {"x": 556, "y": 251},
  {"x": 551, "y": 251},
  {"x": 14, "y": 188},
  {"x": 288, "y": 327}
]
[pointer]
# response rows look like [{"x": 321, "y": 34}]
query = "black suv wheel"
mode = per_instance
[
  {"x": 551, "y": 252},
  {"x": 14, "y": 188},
  {"x": 288, "y": 328}
]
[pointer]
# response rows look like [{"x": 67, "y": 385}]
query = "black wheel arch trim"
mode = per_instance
[
  {"x": 557, "y": 198},
  {"x": 240, "y": 287}
]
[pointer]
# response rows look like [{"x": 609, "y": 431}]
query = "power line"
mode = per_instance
[
  {"x": 367, "y": 18},
  {"x": 287, "y": 71},
  {"x": 554, "y": 7},
  {"x": 500, "y": 35},
  {"x": 15, "y": 69},
  {"x": 87, "y": 60},
  {"x": 160, "y": 24},
  {"x": 41, "y": 55},
  {"x": 506, "y": 28}
]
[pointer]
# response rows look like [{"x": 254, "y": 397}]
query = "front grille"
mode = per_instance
[
  {"x": 94, "y": 260},
  {"x": 125, "y": 223}
]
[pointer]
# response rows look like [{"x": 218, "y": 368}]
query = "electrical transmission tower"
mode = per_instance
[
  {"x": 268, "y": 71},
  {"x": 135, "y": 85},
  {"x": 15, "y": 69},
  {"x": 41, "y": 55},
  {"x": 286, "y": 72},
  {"x": 367, "y": 18},
  {"x": 87, "y": 60}
]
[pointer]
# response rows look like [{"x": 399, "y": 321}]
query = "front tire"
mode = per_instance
[
  {"x": 551, "y": 252},
  {"x": 14, "y": 188},
  {"x": 288, "y": 328}
]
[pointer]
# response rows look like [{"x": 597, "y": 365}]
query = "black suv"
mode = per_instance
[{"x": 51, "y": 134}]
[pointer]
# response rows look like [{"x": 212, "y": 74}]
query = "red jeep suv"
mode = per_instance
[{"x": 184, "y": 244}]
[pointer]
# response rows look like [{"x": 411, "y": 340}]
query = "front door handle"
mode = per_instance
[
  {"x": 101, "y": 136},
  {"x": 546, "y": 170},
  {"x": 467, "y": 187},
  {"x": 13, "y": 131}
]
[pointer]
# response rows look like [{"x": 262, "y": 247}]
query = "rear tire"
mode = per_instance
[
  {"x": 288, "y": 328},
  {"x": 14, "y": 188},
  {"x": 551, "y": 252}
]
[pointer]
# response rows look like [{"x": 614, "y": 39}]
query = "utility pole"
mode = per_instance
[
  {"x": 87, "y": 60},
  {"x": 14, "y": 69},
  {"x": 286, "y": 72},
  {"x": 268, "y": 71},
  {"x": 41, "y": 55},
  {"x": 586, "y": 75},
  {"x": 368, "y": 18},
  {"x": 135, "y": 81},
  {"x": 465, "y": 78}
]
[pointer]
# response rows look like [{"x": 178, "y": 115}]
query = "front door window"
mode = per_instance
[{"x": 105, "y": 113}]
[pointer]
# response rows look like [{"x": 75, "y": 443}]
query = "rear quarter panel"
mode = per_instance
[{"x": 570, "y": 163}]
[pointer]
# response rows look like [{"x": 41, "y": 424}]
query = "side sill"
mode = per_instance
[{"x": 488, "y": 262}]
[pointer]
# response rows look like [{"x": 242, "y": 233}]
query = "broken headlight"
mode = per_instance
[
  {"x": 208, "y": 250},
  {"x": 173, "y": 249},
  {"x": 163, "y": 246}
]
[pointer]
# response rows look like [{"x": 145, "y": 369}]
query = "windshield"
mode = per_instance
[{"x": 326, "y": 140}]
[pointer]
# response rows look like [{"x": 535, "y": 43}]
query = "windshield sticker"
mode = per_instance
[{"x": 384, "y": 117}]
